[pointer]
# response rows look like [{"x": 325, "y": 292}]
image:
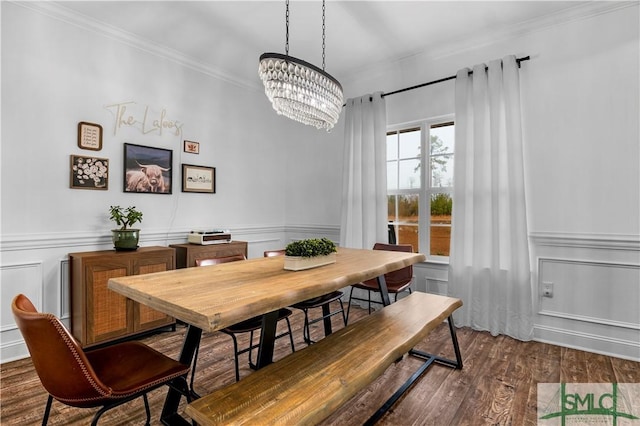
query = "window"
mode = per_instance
[{"x": 420, "y": 204}]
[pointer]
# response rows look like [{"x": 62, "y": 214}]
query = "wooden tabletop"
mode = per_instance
[{"x": 217, "y": 296}]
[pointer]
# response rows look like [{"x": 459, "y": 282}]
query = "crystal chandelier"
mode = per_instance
[{"x": 300, "y": 90}]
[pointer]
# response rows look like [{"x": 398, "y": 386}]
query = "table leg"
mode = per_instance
[
  {"x": 170, "y": 414},
  {"x": 384, "y": 292},
  {"x": 267, "y": 338},
  {"x": 326, "y": 310}
]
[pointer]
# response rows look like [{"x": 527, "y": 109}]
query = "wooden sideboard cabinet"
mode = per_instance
[
  {"x": 99, "y": 315},
  {"x": 186, "y": 254}
]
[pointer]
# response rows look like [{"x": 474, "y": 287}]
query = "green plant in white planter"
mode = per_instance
[
  {"x": 125, "y": 238},
  {"x": 309, "y": 253}
]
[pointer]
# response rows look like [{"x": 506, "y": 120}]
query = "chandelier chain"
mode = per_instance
[
  {"x": 286, "y": 45},
  {"x": 323, "y": 27}
]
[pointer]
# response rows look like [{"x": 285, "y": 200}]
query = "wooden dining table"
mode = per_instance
[{"x": 209, "y": 298}]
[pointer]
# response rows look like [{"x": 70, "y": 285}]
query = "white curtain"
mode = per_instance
[
  {"x": 489, "y": 262},
  {"x": 364, "y": 174}
]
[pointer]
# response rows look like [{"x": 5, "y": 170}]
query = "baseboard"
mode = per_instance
[{"x": 604, "y": 345}]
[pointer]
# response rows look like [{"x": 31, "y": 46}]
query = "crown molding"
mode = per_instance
[
  {"x": 64, "y": 14},
  {"x": 459, "y": 46},
  {"x": 572, "y": 14}
]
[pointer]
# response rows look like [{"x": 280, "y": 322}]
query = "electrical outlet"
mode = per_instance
[{"x": 547, "y": 289}]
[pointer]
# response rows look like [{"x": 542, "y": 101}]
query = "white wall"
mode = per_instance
[{"x": 56, "y": 74}]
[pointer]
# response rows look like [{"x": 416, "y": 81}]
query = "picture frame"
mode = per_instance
[
  {"x": 89, "y": 173},
  {"x": 200, "y": 179},
  {"x": 89, "y": 136},
  {"x": 191, "y": 147},
  {"x": 147, "y": 169}
]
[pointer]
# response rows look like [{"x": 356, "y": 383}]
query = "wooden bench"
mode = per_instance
[{"x": 310, "y": 384}]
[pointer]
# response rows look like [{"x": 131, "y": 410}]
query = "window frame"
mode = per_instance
[{"x": 426, "y": 191}]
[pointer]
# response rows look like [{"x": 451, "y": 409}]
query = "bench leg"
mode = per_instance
[{"x": 429, "y": 360}]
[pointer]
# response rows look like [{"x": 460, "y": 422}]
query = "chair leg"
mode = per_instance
[
  {"x": 235, "y": 355},
  {"x": 47, "y": 410},
  {"x": 344, "y": 317},
  {"x": 369, "y": 291},
  {"x": 293, "y": 348},
  {"x": 251, "y": 363},
  {"x": 306, "y": 328},
  {"x": 146, "y": 408},
  {"x": 100, "y": 412},
  {"x": 349, "y": 305}
]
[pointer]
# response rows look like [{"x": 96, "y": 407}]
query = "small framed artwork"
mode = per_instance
[
  {"x": 192, "y": 147},
  {"x": 89, "y": 136},
  {"x": 147, "y": 169},
  {"x": 89, "y": 172},
  {"x": 198, "y": 179}
]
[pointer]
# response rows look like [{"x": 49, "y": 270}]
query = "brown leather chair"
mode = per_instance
[
  {"x": 105, "y": 377},
  {"x": 397, "y": 281},
  {"x": 323, "y": 302},
  {"x": 246, "y": 326}
]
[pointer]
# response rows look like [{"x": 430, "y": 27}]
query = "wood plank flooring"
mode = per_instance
[{"x": 497, "y": 385}]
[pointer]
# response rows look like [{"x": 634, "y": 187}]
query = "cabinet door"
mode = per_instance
[
  {"x": 145, "y": 318},
  {"x": 107, "y": 311}
]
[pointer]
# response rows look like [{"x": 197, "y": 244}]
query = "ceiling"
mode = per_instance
[{"x": 229, "y": 36}]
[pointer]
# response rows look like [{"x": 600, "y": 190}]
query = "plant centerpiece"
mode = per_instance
[
  {"x": 309, "y": 253},
  {"x": 125, "y": 238}
]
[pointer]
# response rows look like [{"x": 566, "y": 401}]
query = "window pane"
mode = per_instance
[
  {"x": 391, "y": 208},
  {"x": 441, "y": 207},
  {"x": 392, "y": 146},
  {"x": 445, "y": 137},
  {"x": 392, "y": 176},
  {"x": 442, "y": 170},
  {"x": 410, "y": 144},
  {"x": 408, "y": 210},
  {"x": 409, "y": 174},
  {"x": 408, "y": 234}
]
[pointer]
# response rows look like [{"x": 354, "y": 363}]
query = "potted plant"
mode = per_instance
[
  {"x": 125, "y": 238},
  {"x": 309, "y": 253}
]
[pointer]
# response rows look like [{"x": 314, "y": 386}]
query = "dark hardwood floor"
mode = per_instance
[{"x": 497, "y": 385}]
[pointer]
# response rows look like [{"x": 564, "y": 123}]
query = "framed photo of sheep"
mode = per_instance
[
  {"x": 147, "y": 169},
  {"x": 198, "y": 179}
]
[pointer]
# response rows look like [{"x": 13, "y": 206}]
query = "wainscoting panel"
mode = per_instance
[
  {"x": 615, "y": 289},
  {"x": 65, "y": 291},
  {"x": 25, "y": 278},
  {"x": 596, "y": 292}
]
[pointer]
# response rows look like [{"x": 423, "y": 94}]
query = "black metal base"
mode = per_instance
[{"x": 430, "y": 359}]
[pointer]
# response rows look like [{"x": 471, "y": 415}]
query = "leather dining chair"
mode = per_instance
[
  {"x": 397, "y": 281},
  {"x": 323, "y": 302},
  {"x": 105, "y": 377},
  {"x": 247, "y": 326}
]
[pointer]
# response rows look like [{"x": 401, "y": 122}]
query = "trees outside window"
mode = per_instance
[{"x": 420, "y": 204}]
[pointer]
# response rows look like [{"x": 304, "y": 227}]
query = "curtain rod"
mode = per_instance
[{"x": 518, "y": 60}]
